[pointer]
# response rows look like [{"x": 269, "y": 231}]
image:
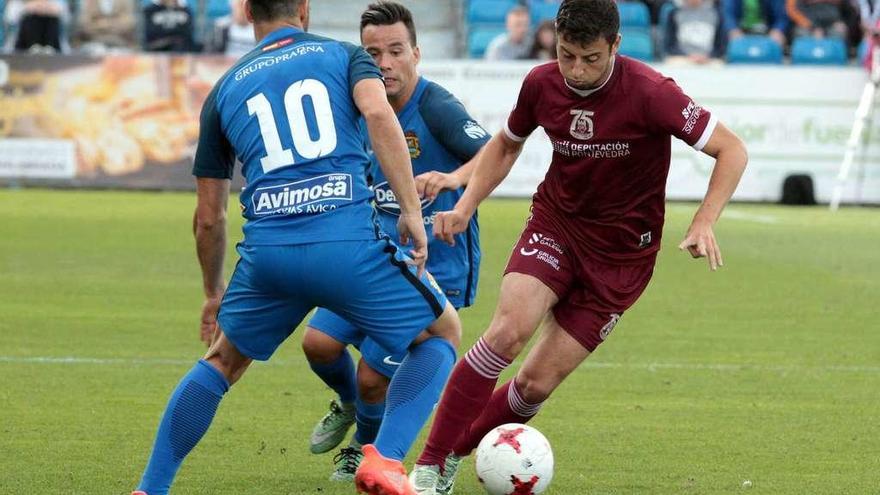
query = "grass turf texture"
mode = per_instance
[{"x": 767, "y": 371}]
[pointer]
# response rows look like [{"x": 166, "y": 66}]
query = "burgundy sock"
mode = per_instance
[
  {"x": 467, "y": 392},
  {"x": 505, "y": 406}
]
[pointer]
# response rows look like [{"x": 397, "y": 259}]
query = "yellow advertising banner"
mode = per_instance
[{"x": 117, "y": 121}]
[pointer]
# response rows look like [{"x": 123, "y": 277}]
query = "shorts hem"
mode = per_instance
[{"x": 585, "y": 343}]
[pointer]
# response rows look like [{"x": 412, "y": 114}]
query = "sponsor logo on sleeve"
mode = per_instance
[
  {"x": 312, "y": 195},
  {"x": 386, "y": 201},
  {"x": 474, "y": 130},
  {"x": 691, "y": 114}
]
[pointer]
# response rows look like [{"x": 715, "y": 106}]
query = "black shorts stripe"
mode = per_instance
[{"x": 391, "y": 249}]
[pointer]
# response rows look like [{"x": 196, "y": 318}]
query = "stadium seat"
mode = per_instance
[
  {"x": 863, "y": 51},
  {"x": 543, "y": 10},
  {"x": 807, "y": 50},
  {"x": 215, "y": 9},
  {"x": 753, "y": 49},
  {"x": 479, "y": 38},
  {"x": 634, "y": 15},
  {"x": 636, "y": 43},
  {"x": 488, "y": 11}
]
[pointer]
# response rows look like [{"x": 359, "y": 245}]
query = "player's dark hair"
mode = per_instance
[
  {"x": 270, "y": 10},
  {"x": 585, "y": 21},
  {"x": 386, "y": 14}
]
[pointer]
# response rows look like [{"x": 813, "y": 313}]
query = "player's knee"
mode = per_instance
[
  {"x": 320, "y": 348},
  {"x": 507, "y": 335},
  {"x": 534, "y": 387},
  {"x": 372, "y": 387}
]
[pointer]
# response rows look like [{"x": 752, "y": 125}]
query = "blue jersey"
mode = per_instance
[
  {"x": 286, "y": 111},
  {"x": 441, "y": 136}
]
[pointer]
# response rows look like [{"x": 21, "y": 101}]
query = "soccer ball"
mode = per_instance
[{"x": 514, "y": 459}]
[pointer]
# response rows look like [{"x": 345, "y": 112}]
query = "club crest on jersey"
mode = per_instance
[
  {"x": 386, "y": 201},
  {"x": 581, "y": 124},
  {"x": 606, "y": 330},
  {"x": 412, "y": 141}
]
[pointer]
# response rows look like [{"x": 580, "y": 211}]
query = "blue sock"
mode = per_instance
[
  {"x": 339, "y": 375},
  {"x": 187, "y": 417},
  {"x": 414, "y": 390},
  {"x": 369, "y": 418}
]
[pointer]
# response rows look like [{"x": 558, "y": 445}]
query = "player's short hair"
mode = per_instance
[
  {"x": 386, "y": 14},
  {"x": 585, "y": 21},
  {"x": 270, "y": 10}
]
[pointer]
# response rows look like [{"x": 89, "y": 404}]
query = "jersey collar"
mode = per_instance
[
  {"x": 278, "y": 35},
  {"x": 588, "y": 92}
]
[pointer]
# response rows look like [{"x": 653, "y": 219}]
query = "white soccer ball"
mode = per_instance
[{"x": 514, "y": 459}]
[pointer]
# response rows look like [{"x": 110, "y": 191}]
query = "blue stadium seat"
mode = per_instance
[
  {"x": 807, "y": 50},
  {"x": 634, "y": 14},
  {"x": 636, "y": 43},
  {"x": 215, "y": 9},
  {"x": 751, "y": 49},
  {"x": 863, "y": 51},
  {"x": 488, "y": 11},
  {"x": 543, "y": 10},
  {"x": 479, "y": 39}
]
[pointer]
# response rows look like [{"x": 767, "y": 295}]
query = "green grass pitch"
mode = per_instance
[{"x": 767, "y": 371}]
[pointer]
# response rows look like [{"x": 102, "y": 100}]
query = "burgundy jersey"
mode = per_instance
[{"x": 606, "y": 186}]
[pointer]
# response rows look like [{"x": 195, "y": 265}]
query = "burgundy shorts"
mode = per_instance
[{"x": 592, "y": 294}]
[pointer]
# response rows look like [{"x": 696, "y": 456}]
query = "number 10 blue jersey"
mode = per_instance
[{"x": 286, "y": 111}]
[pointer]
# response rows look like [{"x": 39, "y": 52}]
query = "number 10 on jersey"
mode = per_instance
[{"x": 308, "y": 148}]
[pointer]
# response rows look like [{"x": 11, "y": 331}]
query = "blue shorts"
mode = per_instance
[
  {"x": 377, "y": 357},
  {"x": 366, "y": 282}
]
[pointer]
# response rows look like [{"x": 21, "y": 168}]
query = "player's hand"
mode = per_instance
[
  {"x": 449, "y": 223},
  {"x": 208, "y": 327},
  {"x": 430, "y": 184},
  {"x": 412, "y": 230},
  {"x": 700, "y": 242}
]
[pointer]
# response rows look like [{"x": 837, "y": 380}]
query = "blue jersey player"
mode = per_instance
[
  {"x": 442, "y": 140},
  {"x": 289, "y": 111}
]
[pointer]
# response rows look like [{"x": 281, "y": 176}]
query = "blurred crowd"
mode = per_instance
[{"x": 677, "y": 31}]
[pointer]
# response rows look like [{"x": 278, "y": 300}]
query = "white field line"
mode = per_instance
[
  {"x": 734, "y": 214},
  {"x": 652, "y": 367}
]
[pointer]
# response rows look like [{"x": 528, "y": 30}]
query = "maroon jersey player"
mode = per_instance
[{"x": 588, "y": 250}]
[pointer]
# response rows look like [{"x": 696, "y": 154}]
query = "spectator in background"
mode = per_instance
[
  {"x": 694, "y": 33},
  {"x": 869, "y": 18},
  {"x": 515, "y": 43},
  {"x": 234, "y": 34},
  {"x": 106, "y": 24},
  {"x": 766, "y": 17},
  {"x": 37, "y": 25},
  {"x": 168, "y": 27},
  {"x": 544, "y": 42},
  {"x": 818, "y": 18}
]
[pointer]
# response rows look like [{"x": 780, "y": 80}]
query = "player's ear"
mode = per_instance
[
  {"x": 304, "y": 14},
  {"x": 417, "y": 53},
  {"x": 247, "y": 11},
  {"x": 616, "y": 45}
]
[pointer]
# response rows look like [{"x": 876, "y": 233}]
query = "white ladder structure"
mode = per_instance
[{"x": 858, "y": 138}]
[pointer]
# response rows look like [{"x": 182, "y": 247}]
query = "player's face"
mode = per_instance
[
  {"x": 586, "y": 66},
  {"x": 395, "y": 55}
]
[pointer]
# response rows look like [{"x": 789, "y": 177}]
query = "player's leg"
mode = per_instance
[
  {"x": 370, "y": 406},
  {"x": 253, "y": 323},
  {"x": 523, "y": 302},
  {"x": 324, "y": 345},
  {"x": 190, "y": 411}
]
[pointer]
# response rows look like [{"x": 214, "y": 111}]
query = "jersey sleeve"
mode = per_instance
[
  {"x": 522, "y": 120},
  {"x": 670, "y": 110},
  {"x": 450, "y": 124},
  {"x": 360, "y": 65},
  {"x": 214, "y": 155}
]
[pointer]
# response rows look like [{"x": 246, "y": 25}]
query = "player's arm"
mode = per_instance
[
  {"x": 731, "y": 158},
  {"x": 391, "y": 150},
  {"x": 213, "y": 165},
  {"x": 491, "y": 165}
]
